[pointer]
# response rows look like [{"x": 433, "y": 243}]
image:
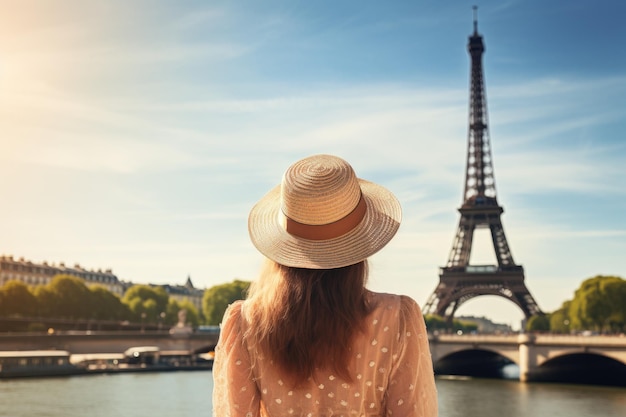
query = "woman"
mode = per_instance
[{"x": 310, "y": 339}]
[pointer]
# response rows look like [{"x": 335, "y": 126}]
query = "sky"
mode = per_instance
[{"x": 136, "y": 135}]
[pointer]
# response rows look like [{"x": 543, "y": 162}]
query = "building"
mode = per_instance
[
  {"x": 35, "y": 274},
  {"x": 185, "y": 292}
]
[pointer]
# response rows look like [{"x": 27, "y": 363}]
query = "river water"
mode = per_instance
[{"x": 188, "y": 394}]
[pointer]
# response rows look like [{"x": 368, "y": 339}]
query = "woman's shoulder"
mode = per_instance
[
  {"x": 393, "y": 303},
  {"x": 388, "y": 300},
  {"x": 231, "y": 327},
  {"x": 232, "y": 314}
]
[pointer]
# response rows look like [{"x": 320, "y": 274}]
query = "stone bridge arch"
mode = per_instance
[
  {"x": 476, "y": 362},
  {"x": 540, "y": 357},
  {"x": 442, "y": 346},
  {"x": 581, "y": 367},
  {"x": 549, "y": 353}
]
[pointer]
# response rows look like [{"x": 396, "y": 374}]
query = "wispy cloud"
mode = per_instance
[{"x": 138, "y": 135}]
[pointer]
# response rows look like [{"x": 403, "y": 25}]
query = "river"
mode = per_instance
[{"x": 188, "y": 394}]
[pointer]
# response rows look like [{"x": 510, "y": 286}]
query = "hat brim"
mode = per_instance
[{"x": 380, "y": 223}]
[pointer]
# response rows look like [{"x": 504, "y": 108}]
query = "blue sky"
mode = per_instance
[{"x": 137, "y": 135}]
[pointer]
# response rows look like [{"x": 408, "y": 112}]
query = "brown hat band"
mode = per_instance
[{"x": 329, "y": 230}]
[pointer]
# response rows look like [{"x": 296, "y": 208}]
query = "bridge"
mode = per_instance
[
  {"x": 109, "y": 342},
  {"x": 540, "y": 357}
]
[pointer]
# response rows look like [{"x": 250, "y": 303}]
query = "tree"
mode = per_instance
[
  {"x": 216, "y": 299},
  {"x": 538, "y": 323},
  {"x": 435, "y": 322},
  {"x": 598, "y": 304},
  {"x": 559, "y": 320},
  {"x": 615, "y": 291},
  {"x": 71, "y": 296},
  {"x": 146, "y": 302},
  {"x": 107, "y": 306},
  {"x": 171, "y": 313},
  {"x": 16, "y": 299},
  {"x": 46, "y": 301},
  {"x": 193, "y": 317}
]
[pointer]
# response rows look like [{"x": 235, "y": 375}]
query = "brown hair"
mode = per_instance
[{"x": 306, "y": 319}]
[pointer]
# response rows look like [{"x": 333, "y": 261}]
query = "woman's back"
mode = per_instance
[
  {"x": 310, "y": 340},
  {"x": 390, "y": 365}
]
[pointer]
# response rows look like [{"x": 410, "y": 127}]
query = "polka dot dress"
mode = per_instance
[{"x": 392, "y": 368}]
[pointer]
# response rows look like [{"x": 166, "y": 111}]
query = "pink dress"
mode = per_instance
[{"x": 391, "y": 367}]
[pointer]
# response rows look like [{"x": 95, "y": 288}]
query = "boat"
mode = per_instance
[
  {"x": 37, "y": 363},
  {"x": 42, "y": 363},
  {"x": 143, "y": 359}
]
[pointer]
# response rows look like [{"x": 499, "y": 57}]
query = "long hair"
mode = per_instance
[{"x": 306, "y": 319}]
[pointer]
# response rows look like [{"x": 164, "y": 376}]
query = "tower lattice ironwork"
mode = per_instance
[{"x": 458, "y": 280}]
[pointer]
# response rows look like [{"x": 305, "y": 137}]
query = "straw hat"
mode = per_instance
[{"x": 322, "y": 216}]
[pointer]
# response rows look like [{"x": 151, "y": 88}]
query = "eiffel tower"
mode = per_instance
[{"x": 458, "y": 280}]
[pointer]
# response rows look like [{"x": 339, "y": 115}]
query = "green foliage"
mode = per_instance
[
  {"x": 150, "y": 310},
  {"x": 216, "y": 299},
  {"x": 559, "y": 320},
  {"x": 615, "y": 320},
  {"x": 68, "y": 297},
  {"x": 193, "y": 318},
  {"x": 145, "y": 302},
  {"x": 46, "y": 301},
  {"x": 16, "y": 299},
  {"x": 174, "y": 306},
  {"x": 599, "y": 304},
  {"x": 107, "y": 306},
  {"x": 538, "y": 323},
  {"x": 435, "y": 322},
  {"x": 464, "y": 326},
  {"x": 171, "y": 312},
  {"x": 71, "y": 297}
]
